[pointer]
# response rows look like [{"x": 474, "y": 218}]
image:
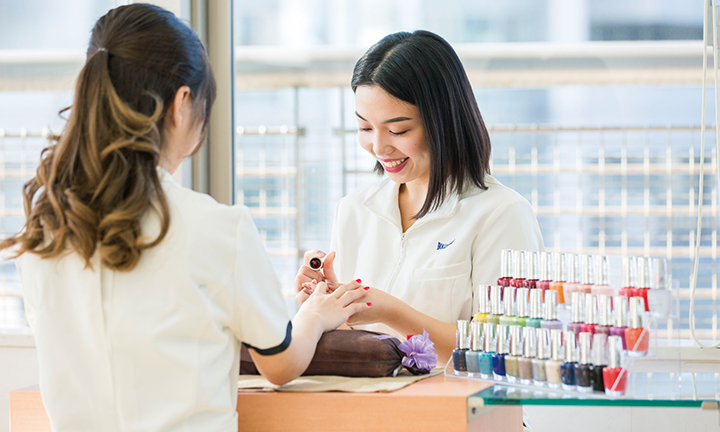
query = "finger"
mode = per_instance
[
  {"x": 312, "y": 253},
  {"x": 301, "y": 280},
  {"x": 301, "y": 296},
  {"x": 353, "y": 296},
  {"x": 321, "y": 288},
  {"x": 310, "y": 273},
  {"x": 332, "y": 285},
  {"x": 342, "y": 289},
  {"x": 329, "y": 266},
  {"x": 354, "y": 308}
]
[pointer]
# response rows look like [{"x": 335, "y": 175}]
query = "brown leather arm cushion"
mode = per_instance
[{"x": 350, "y": 353}]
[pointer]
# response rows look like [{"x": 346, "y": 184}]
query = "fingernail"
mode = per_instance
[
  {"x": 366, "y": 288},
  {"x": 369, "y": 304},
  {"x": 358, "y": 280}
]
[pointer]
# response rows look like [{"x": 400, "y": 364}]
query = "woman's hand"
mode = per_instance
[
  {"x": 306, "y": 276},
  {"x": 334, "y": 308},
  {"x": 383, "y": 310}
]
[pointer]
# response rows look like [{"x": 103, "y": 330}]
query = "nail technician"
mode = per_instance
[
  {"x": 432, "y": 230},
  {"x": 139, "y": 292}
]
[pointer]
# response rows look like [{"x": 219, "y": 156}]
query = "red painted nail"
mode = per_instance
[
  {"x": 358, "y": 281},
  {"x": 369, "y": 304},
  {"x": 366, "y": 288}
]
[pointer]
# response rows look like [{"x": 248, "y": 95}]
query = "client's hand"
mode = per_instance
[
  {"x": 326, "y": 274},
  {"x": 334, "y": 308},
  {"x": 383, "y": 308}
]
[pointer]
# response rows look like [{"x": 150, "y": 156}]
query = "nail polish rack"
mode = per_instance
[{"x": 602, "y": 346}]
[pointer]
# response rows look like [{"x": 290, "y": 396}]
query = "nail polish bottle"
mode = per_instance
[
  {"x": 462, "y": 344},
  {"x": 551, "y": 321},
  {"x": 521, "y": 306},
  {"x": 483, "y": 303},
  {"x": 518, "y": 261},
  {"x": 620, "y": 319},
  {"x": 599, "y": 361},
  {"x": 512, "y": 368},
  {"x": 485, "y": 360},
  {"x": 509, "y": 316},
  {"x": 573, "y": 278},
  {"x": 583, "y": 369},
  {"x": 614, "y": 375},
  {"x": 498, "y": 360},
  {"x": 604, "y": 314},
  {"x": 586, "y": 275},
  {"x": 531, "y": 270},
  {"x": 637, "y": 338},
  {"x": 542, "y": 354},
  {"x": 535, "y": 309},
  {"x": 495, "y": 305},
  {"x": 576, "y": 315},
  {"x": 601, "y": 287},
  {"x": 559, "y": 275},
  {"x": 546, "y": 269},
  {"x": 525, "y": 367},
  {"x": 590, "y": 314},
  {"x": 643, "y": 286},
  {"x": 628, "y": 276},
  {"x": 552, "y": 366},
  {"x": 505, "y": 268},
  {"x": 472, "y": 356},
  {"x": 567, "y": 369},
  {"x": 659, "y": 297}
]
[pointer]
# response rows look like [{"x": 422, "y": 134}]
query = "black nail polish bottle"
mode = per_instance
[{"x": 462, "y": 344}]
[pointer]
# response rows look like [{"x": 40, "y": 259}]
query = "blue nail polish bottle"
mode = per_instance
[
  {"x": 502, "y": 350},
  {"x": 485, "y": 360}
]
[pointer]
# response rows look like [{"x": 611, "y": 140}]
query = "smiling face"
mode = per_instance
[{"x": 391, "y": 130}]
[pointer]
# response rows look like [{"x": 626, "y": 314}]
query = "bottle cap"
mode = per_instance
[
  {"x": 601, "y": 270},
  {"x": 590, "y": 309},
  {"x": 643, "y": 275},
  {"x": 598, "y": 346},
  {"x": 483, "y": 299},
  {"x": 572, "y": 268},
  {"x": 605, "y": 315},
  {"x": 551, "y": 301},
  {"x": 545, "y": 266},
  {"x": 531, "y": 265},
  {"x": 559, "y": 267},
  {"x": 614, "y": 352},
  {"x": 518, "y": 262},
  {"x": 521, "y": 302},
  {"x": 516, "y": 341},
  {"x": 509, "y": 301},
  {"x": 528, "y": 335},
  {"x": 501, "y": 334},
  {"x": 620, "y": 304},
  {"x": 556, "y": 344},
  {"x": 628, "y": 271},
  {"x": 584, "y": 341},
  {"x": 586, "y": 268},
  {"x": 535, "y": 303},
  {"x": 570, "y": 355},
  {"x": 659, "y": 273},
  {"x": 463, "y": 334},
  {"x": 489, "y": 341},
  {"x": 636, "y": 310},
  {"x": 542, "y": 341},
  {"x": 476, "y": 333},
  {"x": 496, "y": 300},
  {"x": 506, "y": 263},
  {"x": 577, "y": 307}
]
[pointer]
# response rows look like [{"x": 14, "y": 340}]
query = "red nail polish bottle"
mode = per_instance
[
  {"x": 614, "y": 376},
  {"x": 637, "y": 338},
  {"x": 531, "y": 270},
  {"x": 590, "y": 314},
  {"x": 518, "y": 262},
  {"x": 643, "y": 285},
  {"x": 628, "y": 276},
  {"x": 505, "y": 268}
]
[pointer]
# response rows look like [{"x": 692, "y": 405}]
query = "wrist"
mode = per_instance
[{"x": 309, "y": 322}]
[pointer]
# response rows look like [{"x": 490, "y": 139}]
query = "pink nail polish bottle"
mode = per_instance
[
  {"x": 586, "y": 277},
  {"x": 590, "y": 314},
  {"x": 643, "y": 286},
  {"x": 628, "y": 277},
  {"x": 545, "y": 271},
  {"x": 601, "y": 287},
  {"x": 576, "y": 321},
  {"x": 604, "y": 314},
  {"x": 620, "y": 308},
  {"x": 573, "y": 278}
]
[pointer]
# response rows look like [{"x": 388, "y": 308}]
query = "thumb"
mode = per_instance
[{"x": 329, "y": 267}]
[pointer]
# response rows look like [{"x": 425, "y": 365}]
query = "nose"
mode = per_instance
[{"x": 380, "y": 145}]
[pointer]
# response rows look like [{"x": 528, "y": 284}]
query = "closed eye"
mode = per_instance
[
  {"x": 397, "y": 133},
  {"x": 363, "y": 129}
]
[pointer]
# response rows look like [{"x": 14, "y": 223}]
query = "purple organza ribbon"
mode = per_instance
[{"x": 419, "y": 352}]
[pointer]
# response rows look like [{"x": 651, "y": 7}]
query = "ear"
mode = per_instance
[{"x": 180, "y": 110}]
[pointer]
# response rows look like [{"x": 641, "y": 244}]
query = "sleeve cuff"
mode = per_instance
[{"x": 276, "y": 349}]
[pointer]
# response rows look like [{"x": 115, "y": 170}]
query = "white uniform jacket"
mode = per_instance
[
  {"x": 155, "y": 348},
  {"x": 436, "y": 263}
]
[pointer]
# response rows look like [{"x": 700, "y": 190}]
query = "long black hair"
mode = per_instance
[{"x": 422, "y": 69}]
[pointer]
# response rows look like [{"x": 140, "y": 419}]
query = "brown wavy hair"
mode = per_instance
[{"x": 98, "y": 178}]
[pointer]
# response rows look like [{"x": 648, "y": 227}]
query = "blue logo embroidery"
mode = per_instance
[{"x": 442, "y": 246}]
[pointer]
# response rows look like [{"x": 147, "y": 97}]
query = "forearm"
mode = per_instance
[{"x": 408, "y": 321}]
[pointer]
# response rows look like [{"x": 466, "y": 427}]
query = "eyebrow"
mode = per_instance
[{"x": 392, "y": 120}]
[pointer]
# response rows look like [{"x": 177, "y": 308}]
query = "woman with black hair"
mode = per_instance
[{"x": 432, "y": 230}]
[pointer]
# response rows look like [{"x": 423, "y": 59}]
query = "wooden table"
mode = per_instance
[{"x": 437, "y": 404}]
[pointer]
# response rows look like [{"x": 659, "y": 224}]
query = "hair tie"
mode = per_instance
[{"x": 102, "y": 49}]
